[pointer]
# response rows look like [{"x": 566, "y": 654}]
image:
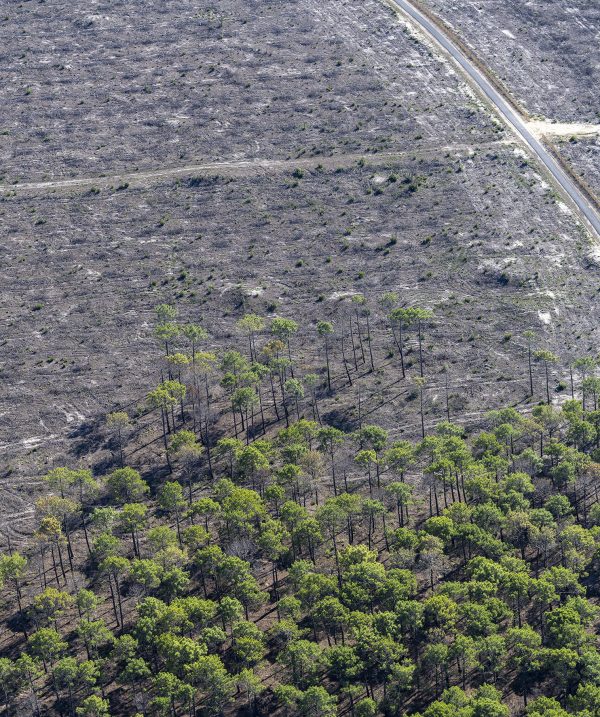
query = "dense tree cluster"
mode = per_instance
[{"x": 308, "y": 570}]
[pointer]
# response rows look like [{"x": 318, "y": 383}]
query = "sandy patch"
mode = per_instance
[{"x": 548, "y": 128}]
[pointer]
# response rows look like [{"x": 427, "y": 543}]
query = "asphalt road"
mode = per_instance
[{"x": 566, "y": 184}]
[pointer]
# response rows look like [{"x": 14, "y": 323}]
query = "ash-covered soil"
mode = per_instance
[
  {"x": 397, "y": 179},
  {"x": 584, "y": 156},
  {"x": 546, "y": 52},
  {"x": 104, "y": 88},
  {"x": 479, "y": 239}
]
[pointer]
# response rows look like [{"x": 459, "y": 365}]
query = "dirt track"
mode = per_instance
[{"x": 241, "y": 168}]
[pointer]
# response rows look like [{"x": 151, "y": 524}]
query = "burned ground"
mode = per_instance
[
  {"x": 584, "y": 156},
  {"x": 178, "y": 84},
  {"x": 544, "y": 56},
  {"x": 350, "y": 159},
  {"x": 545, "y": 52}
]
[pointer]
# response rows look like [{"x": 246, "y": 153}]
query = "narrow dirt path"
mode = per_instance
[{"x": 241, "y": 167}]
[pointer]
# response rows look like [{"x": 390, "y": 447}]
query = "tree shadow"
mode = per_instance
[
  {"x": 86, "y": 438},
  {"x": 342, "y": 419}
]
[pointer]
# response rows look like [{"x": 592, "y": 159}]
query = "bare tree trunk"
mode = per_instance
[
  {"x": 353, "y": 344},
  {"x": 420, "y": 348},
  {"x": 273, "y": 395},
  {"x": 401, "y": 347},
  {"x": 346, "y": 363},
  {"x": 360, "y": 340},
  {"x": 370, "y": 344}
]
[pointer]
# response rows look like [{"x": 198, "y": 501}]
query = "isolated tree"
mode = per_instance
[
  {"x": 49, "y": 534},
  {"x": 93, "y": 706},
  {"x": 591, "y": 385},
  {"x": 366, "y": 459},
  {"x": 399, "y": 458},
  {"x": 294, "y": 391},
  {"x": 243, "y": 400},
  {"x": 303, "y": 659},
  {"x": 186, "y": 450},
  {"x": 402, "y": 493},
  {"x": 331, "y": 516},
  {"x": 166, "y": 333},
  {"x": 178, "y": 361},
  {"x": 64, "y": 510},
  {"x": 251, "y": 324},
  {"x": 115, "y": 568},
  {"x": 253, "y": 465},
  {"x": 47, "y": 645},
  {"x": 273, "y": 541},
  {"x": 403, "y": 318},
  {"x": 85, "y": 486},
  {"x": 118, "y": 422},
  {"x": 165, "y": 312},
  {"x": 171, "y": 500},
  {"x": 69, "y": 675},
  {"x": 165, "y": 330},
  {"x": 126, "y": 485},
  {"x": 29, "y": 671},
  {"x": 194, "y": 334},
  {"x": 202, "y": 366},
  {"x": 420, "y": 384},
  {"x": 229, "y": 449},
  {"x": 50, "y": 605},
  {"x": 398, "y": 318},
  {"x": 8, "y": 682},
  {"x": 546, "y": 357},
  {"x": 421, "y": 316},
  {"x": 177, "y": 391},
  {"x": 325, "y": 329},
  {"x": 162, "y": 399},
  {"x": 209, "y": 675},
  {"x": 146, "y": 573},
  {"x": 524, "y": 645},
  {"x": 13, "y": 569},
  {"x": 436, "y": 656},
  {"x": 585, "y": 365},
  {"x": 464, "y": 651},
  {"x": 317, "y": 702},
  {"x": 373, "y": 438},
  {"x": 60, "y": 479},
  {"x": 361, "y": 309},
  {"x": 284, "y": 329},
  {"x": 250, "y": 685},
  {"x": 311, "y": 380},
  {"x": 529, "y": 335},
  {"x": 371, "y": 509},
  {"x": 311, "y": 463},
  {"x": 94, "y": 635},
  {"x": 329, "y": 439},
  {"x": 431, "y": 556}
]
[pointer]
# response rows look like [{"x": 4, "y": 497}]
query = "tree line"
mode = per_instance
[{"x": 291, "y": 566}]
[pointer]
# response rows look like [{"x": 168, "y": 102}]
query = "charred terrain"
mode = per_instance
[
  {"x": 300, "y": 350},
  {"x": 544, "y": 55}
]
